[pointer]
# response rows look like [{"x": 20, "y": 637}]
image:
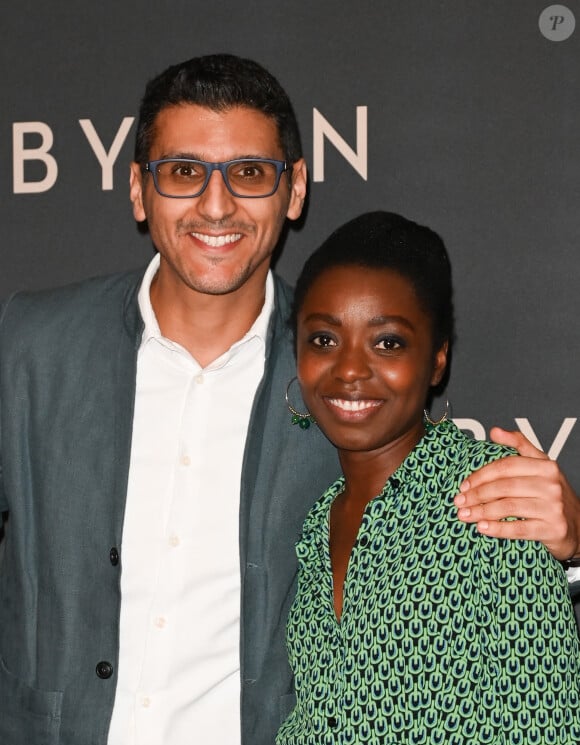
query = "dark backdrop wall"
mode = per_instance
[{"x": 463, "y": 115}]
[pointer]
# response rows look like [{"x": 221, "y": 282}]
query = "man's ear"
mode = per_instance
[
  {"x": 298, "y": 188},
  {"x": 136, "y": 191}
]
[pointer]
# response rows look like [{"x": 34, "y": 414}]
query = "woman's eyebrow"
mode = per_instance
[
  {"x": 326, "y": 317},
  {"x": 382, "y": 320}
]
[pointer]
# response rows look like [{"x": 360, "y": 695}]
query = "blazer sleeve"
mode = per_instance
[
  {"x": 533, "y": 655},
  {"x": 3, "y": 498}
]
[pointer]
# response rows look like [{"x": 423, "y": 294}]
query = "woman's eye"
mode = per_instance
[
  {"x": 322, "y": 340},
  {"x": 389, "y": 343}
]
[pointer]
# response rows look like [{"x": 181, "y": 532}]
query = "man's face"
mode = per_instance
[{"x": 215, "y": 243}]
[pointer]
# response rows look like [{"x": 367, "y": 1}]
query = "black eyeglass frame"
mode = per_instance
[{"x": 281, "y": 166}]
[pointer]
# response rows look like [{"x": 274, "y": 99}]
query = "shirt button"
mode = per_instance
[
  {"x": 185, "y": 460},
  {"x": 114, "y": 556},
  {"x": 174, "y": 540},
  {"x": 332, "y": 722},
  {"x": 145, "y": 702},
  {"x": 199, "y": 379},
  {"x": 104, "y": 669},
  {"x": 160, "y": 622}
]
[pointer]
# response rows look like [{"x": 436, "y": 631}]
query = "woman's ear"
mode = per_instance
[{"x": 440, "y": 363}]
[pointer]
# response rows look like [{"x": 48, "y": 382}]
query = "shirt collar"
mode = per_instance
[{"x": 425, "y": 464}]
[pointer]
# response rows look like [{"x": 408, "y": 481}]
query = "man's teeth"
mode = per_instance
[
  {"x": 215, "y": 241},
  {"x": 348, "y": 405}
]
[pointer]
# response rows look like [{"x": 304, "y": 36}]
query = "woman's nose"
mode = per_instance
[{"x": 352, "y": 364}]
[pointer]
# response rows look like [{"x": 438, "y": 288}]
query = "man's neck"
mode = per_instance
[{"x": 206, "y": 325}]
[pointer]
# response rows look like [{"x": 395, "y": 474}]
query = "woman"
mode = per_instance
[{"x": 408, "y": 626}]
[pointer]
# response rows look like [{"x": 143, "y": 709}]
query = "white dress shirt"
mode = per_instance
[{"x": 178, "y": 676}]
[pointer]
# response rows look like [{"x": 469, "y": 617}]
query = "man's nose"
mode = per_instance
[{"x": 216, "y": 201}]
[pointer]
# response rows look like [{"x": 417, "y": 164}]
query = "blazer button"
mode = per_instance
[
  {"x": 104, "y": 670},
  {"x": 114, "y": 556}
]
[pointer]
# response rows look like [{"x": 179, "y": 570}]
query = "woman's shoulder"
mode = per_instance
[{"x": 467, "y": 453}]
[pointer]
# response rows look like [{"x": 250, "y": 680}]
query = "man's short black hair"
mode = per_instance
[{"x": 218, "y": 82}]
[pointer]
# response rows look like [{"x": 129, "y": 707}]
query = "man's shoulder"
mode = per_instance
[
  {"x": 284, "y": 294},
  {"x": 97, "y": 301},
  {"x": 86, "y": 289},
  {"x": 88, "y": 295}
]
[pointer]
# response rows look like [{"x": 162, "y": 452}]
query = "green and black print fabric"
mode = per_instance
[{"x": 447, "y": 637}]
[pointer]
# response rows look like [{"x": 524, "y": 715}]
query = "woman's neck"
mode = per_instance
[{"x": 365, "y": 473}]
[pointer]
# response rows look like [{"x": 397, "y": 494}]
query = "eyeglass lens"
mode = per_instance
[{"x": 182, "y": 178}]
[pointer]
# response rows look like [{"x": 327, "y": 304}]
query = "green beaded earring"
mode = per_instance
[
  {"x": 302, "y": 420},
  {"x": 430, "y": 423}
]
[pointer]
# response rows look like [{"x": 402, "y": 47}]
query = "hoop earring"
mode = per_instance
[
  {"x": 302, "y": 420},
  {"x": 433, "y": 423}
]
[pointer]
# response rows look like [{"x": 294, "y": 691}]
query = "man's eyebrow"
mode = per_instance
[
  {"x": 179, "y": 156},
  {"x": 197, "y": 156}
]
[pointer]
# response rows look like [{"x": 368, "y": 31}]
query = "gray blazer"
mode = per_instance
[{"x": 67, "y": 388}]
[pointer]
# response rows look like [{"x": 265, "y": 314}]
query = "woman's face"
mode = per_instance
[{"x": 366, "y": 359}]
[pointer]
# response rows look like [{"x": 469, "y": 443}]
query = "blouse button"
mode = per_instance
[{"x": 332, "y": 722}]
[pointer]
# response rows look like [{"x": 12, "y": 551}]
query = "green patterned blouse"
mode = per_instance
[{"x": 447, "y": 637}]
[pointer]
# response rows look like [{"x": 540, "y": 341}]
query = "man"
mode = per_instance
[{"x": 143, "y": 426}]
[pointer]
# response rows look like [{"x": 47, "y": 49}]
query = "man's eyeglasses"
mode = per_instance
[{"x": 184, "y": 178}]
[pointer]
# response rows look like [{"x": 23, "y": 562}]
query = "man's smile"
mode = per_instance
[{"x": 217, "y": 241}]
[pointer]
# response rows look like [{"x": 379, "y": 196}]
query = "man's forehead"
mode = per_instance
[
  {"x": 188, "y": 125},
  {"x": 197, "y": 114}
]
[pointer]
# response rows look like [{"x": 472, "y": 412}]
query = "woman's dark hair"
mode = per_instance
[
  {"x": 218, "y": 82},
  {"x": 384, "y": 240}
]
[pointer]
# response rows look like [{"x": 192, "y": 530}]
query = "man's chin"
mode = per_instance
[{"x": 217, "y": 285}]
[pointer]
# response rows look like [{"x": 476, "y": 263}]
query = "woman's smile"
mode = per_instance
[{"x": 357, "y": 406}]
